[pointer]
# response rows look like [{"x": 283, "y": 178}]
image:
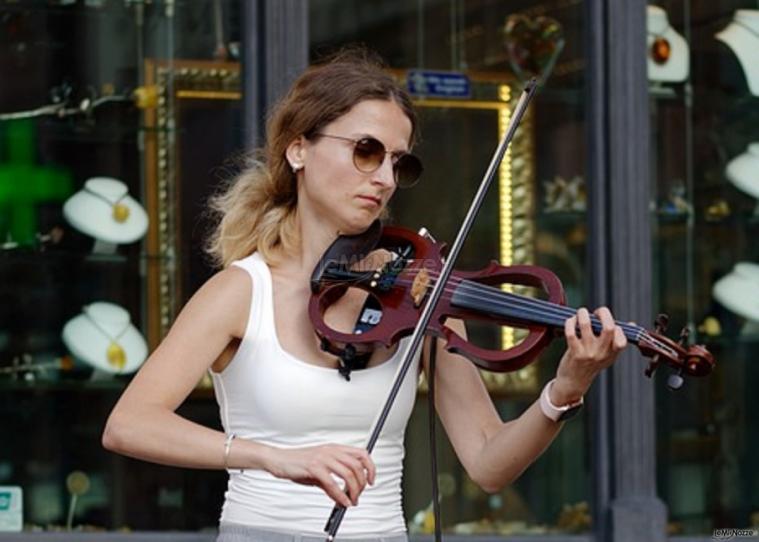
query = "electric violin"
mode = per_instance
[{"x": 397, "y": 290}]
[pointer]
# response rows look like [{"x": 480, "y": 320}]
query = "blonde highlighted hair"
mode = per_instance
[{"x": 257, "y": 210}]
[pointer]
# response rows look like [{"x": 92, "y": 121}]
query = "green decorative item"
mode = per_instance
[{"x": 24, "y": 184}]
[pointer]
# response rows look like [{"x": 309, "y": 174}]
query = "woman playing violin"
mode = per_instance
[{"x": 338, "y": 147}]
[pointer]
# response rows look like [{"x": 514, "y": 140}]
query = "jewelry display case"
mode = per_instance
[
  {"x": 82, "y": 211},
  {"x": 105, "y": 111},
  {"x": 704, "y": 106}
]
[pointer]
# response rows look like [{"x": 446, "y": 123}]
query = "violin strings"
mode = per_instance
[
  {"x": 533, "y": 307},
  {"x": 529, "y": 305}
]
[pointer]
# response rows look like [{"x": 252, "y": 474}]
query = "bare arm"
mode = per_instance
[
  {"x": 144, "y": 423},
  {"x": 495, "y": 453}
]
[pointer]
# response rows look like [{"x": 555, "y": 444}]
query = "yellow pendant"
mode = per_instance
[
  {"x": 120, "y": 212},
  {"x": 116, "y": 356}
]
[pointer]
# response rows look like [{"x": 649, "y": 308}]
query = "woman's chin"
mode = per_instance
[{"x": 357, "y": 225}]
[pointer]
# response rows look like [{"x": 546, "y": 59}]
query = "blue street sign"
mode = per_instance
[{"x": 438, "y": 84}]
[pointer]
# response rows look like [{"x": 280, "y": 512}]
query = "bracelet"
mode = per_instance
[
  {"x": 557, "y": 413},
  {"x": 227, "y": 448}
]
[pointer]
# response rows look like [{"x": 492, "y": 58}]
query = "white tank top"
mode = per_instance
[{"x": 268, "y": 395}]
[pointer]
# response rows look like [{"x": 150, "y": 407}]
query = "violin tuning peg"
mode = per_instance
[
  {"x": 424, "y": 232},
  {"x": 675, "y": 381},
  {"x": 684, "y": 334},
  {"x": 652, "y": 366},
  {"x": 661, "y": 323}
]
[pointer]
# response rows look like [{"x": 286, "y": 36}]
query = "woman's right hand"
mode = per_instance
[{"x": 320, "y": 465}]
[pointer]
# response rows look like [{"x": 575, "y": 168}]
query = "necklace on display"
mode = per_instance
[
  {"x": 119, "y": 211},
  {"x": 115, "y": 353},
  {"x": 661, "y": 49}
]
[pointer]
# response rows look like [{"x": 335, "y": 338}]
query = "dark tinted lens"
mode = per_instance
[
  {"x": 408, "y": 168},
  {"x": 368, "y": 154}
]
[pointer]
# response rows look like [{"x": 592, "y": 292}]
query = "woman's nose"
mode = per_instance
[{"x": 385, "y": 174}]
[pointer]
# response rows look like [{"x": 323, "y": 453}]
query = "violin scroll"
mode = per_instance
[{"x": 693, "y": 360}]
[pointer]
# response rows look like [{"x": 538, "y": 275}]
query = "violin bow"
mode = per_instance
[{"x": 338, "y": 512}]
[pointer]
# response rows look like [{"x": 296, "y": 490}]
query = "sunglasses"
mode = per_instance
[{"x": 369, "y": 154}]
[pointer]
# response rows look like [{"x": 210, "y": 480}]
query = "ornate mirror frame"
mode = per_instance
[{"x": 177, "y": 82}]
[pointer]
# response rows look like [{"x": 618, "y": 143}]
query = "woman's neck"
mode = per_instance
[{"x": 314, "y": 237}]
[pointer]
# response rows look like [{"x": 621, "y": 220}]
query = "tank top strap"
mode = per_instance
[{"x": 261, "y": 315}]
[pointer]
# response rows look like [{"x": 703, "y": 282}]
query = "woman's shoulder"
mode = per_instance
[
  {"x": 229, "y": 283},
  {"x": 235, "y": 276},
  {"x": 226, "y": 296}
]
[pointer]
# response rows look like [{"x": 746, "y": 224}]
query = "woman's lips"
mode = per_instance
[{"x": 374, "y": 200}]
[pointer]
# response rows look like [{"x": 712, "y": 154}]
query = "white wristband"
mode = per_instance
[{"x": 557, "y": 413}]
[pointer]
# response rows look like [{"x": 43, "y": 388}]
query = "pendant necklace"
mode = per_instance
[
  {"x": 115, "y": 353},
  {"x": 660, "y": 49},
  {"x": 119, "y": 211}
]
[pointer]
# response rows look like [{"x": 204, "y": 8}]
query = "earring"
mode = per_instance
[{"x": 296, "y": 167}]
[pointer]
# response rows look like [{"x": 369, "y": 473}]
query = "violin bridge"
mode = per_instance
[{"x": 419, "y": 287}]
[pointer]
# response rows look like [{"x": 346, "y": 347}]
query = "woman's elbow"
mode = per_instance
[
  {"x": 490, "y": 486},
  {"x": 113, "y": 438},
  {"x": 493, "y": 482}
]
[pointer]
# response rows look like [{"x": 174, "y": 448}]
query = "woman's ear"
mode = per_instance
[{"x": 296, "y": 153}]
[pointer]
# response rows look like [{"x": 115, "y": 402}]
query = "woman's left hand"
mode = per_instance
[{"x": 587, "y": 354}]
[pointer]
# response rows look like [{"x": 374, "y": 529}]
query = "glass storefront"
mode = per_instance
[
  {"x": 535, "y": 213},
  {"x": 704, "y": 117},
  {"x": 106, "y": 162},
  {"x": 97, "y": 108}
]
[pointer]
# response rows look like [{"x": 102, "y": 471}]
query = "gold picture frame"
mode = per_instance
[
  {"x": 179, "y": 83},
  {"x": 175, "y": 85},
  {"x": 516, "y": 204}
]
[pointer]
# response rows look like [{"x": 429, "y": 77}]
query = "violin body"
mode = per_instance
[{"x": 400, "y": 283}]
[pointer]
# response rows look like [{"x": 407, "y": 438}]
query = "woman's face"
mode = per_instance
[{"x": 331, "y": 187}]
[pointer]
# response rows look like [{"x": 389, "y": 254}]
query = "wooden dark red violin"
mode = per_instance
[{"x": 399, "y": 287}]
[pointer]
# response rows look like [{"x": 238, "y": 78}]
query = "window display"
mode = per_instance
[
  {"x": 704, "y": 182},
  {"x": 495, "y": 47},
  {"x": 76, "y": 215},
  {"x": 119, "y": 118}
]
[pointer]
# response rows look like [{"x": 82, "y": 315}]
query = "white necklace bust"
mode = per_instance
[
  {"x": 743, "y": 170},
  {"x": 675, "y": 67},
  {"x": 742, "y": 36},
  {"x": 739, "y": 290},
  {"x": 103, "y": 336},
  {"x": 103, "y": 209}
]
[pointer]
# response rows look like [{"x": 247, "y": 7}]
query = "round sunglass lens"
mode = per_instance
[
  {"x": 368, "y": 154},
  {"x": 408, "y": 169}
]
